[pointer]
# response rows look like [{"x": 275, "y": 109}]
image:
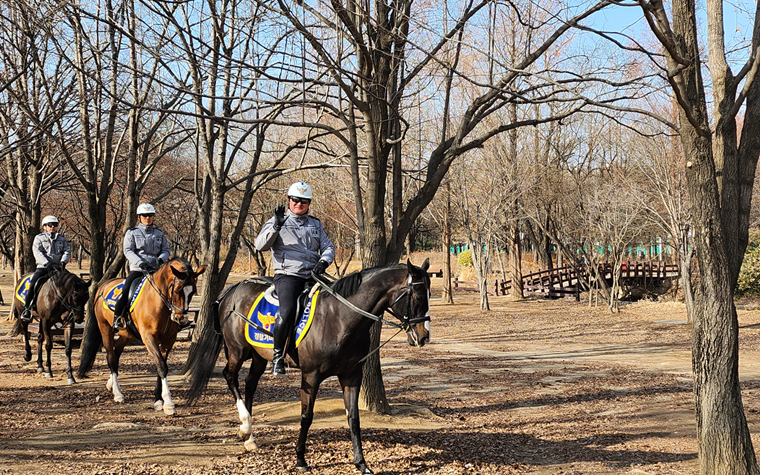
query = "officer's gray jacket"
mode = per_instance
[
  {"x": 51, "y": 247},
  {"x": 145, "y": 244},
  {"x": 297, "y": 246}
]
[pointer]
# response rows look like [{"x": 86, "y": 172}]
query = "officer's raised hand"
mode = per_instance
[{"x": 279, "y": 217}]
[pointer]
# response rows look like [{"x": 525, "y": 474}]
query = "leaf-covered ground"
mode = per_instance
[{"x": 538, "y": 386}]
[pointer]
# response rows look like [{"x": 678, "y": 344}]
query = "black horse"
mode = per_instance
[
  {"x": 336, "y": 344},
  {"x": 61, "y": 299}
]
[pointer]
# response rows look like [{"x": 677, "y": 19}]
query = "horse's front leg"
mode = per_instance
[
  {"x": 113, "y": 354},
  {"x": 27, "y": 345},
  {"x": 309, "y": 388},
  {"x": 45, "y": 335},
  {"x": 351, "y": 386},
  {"x": 68, "y": 329},
  {"x": 258, "y": 366},
  {"x": 163, "y": 397}
]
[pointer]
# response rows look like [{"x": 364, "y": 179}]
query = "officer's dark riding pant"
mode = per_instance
[
  {"x": 124, "y": 298},
  {"x": 38, "y": 274},
  {"x": 288, "y": 288}
]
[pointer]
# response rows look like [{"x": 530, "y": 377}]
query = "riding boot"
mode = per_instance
[
  {"x": 26, "y": 314},
  {"x": 117, "y": 314},
  {"x": 280, "y": 339}
]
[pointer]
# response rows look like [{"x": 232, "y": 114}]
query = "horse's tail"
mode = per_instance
[
  {"x": 207, "y": 348},
  {"x": 18, "y": 328},
  {"x": 90, "y": 345}
]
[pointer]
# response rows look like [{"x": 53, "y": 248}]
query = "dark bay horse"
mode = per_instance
[
  {"x": 61, "y": 299},
  {"x": 157, "y": 314},
  {"x": 336, "y": 344}
]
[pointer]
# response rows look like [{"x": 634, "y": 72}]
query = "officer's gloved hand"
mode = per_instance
[
  {"x": 52, "y": 265},
  {"x": 320, "y": 268},
  {"x": 145, "y": 266},
  {"x": 159, "y": 262},
  {"x": 279, "y": 217}
]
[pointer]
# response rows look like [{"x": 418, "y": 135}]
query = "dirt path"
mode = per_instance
[{"x": 547, "y": 387}]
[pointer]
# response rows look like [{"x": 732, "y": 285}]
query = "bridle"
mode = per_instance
[
  {"x": 71, "y": 310},
  {"x": 178, "y": 314},
  {"x": 406, "y": 320}
]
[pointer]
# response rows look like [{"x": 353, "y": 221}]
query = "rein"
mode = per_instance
[{"x": 405, "y": 320}]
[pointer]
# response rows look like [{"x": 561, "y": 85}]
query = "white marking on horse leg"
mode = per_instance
[
  {"x": 167, "y": 397},
  {"x": 158, "y": 406},
  {"x": 113, "y": 385},
  {"x": 245, "y": 419}
]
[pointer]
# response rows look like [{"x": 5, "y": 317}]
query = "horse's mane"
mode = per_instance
[{"x": 348, "y": 285}]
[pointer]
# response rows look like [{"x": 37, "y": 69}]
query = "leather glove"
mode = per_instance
[
  {"x": 279, "y": 217},
  {"x": 145, "y": 266},
  {"x": 159, "y": 262},
  {"x": 320, "y": 268}
]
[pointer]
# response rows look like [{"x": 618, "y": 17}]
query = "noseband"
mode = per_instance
[{"x": 406, "y": 320}]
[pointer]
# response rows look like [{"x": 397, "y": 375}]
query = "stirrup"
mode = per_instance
[
  {"x": 26, "y": 316},
  {"x": 118, "y": 324},
  {"x": 278, "y": 366}
]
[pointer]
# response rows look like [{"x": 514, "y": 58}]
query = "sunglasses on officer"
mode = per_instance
[
  {"x": 52, "y": 225},
  {"x": 149, "y": 215},
  {"x": 297, "y": 200}
]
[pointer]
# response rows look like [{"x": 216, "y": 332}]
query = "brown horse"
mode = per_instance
[
  {"x": 61, "y": 299},
  {"x": 159, "y": 310}
]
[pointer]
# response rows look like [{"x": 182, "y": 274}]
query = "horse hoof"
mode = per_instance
[
  {"x": 170, "y": 411},
  {"x": 302, "y": 467},
  {"x": 28, "y": 357},
  {"x": 118, "y": 399},
  {"x": 40, "y": 370},
  {"x": 250, "y": 445},
  {"x": 49, "y": 375},
  {"x": 158, "y": 406},
  {"x": 364, "y": 469},
  {"x": 71, "y": 381}
]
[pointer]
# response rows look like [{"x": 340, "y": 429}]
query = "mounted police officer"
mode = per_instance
[
  {"x": 51, "y": 250},
  {"x": 146, "y": 248},
  {"x": 299, "y": 245}
]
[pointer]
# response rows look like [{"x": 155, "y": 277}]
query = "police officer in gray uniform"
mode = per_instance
[
  {"x": 299, "y": 244},
  {"x": 50, "y": 250},
  {"x": 146, "y": 248}
]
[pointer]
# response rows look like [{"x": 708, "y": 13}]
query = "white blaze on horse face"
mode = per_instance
[
  {"x": 427, "y": 314},
  {"x": 188, "y": 289}
]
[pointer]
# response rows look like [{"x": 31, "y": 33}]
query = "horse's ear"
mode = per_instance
[
  {"x": 200, "y": 270},
  {"x": 178, "y": 274},
  {"x": 425, "y": 264}
]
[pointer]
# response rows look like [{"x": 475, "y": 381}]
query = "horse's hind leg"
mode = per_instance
[
  {"x": 113, "y": 353},
  {"x": 351, "y": 385},
  {"x": 230, "y": 372},
  {"x": 309, "y": 388},
  {"x": 67, "y": 331}
]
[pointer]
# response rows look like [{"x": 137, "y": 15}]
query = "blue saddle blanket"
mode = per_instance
[
  {"x": 22, "y": 289},
  {"x": 109, "y": 299},
  {"x": 263, "y": 312}
]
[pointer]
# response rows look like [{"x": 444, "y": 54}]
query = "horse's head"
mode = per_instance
[
  {"x": 413, "y": 303},
  {"x": 72, "y": 292},
  {"x": 178, "y": 277}
]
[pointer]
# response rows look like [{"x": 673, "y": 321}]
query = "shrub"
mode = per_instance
[
  {"x": 749, "y": 275},
  {"x": 465, "y": 258}
]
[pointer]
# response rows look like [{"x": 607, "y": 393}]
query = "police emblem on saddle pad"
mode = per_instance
[
  {"x": 109, "y": 299},
  {"x": 22, "y": 289},
  {"x": 263, "y": 312}
]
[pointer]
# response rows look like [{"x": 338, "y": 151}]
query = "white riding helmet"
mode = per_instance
[
  {"x": 146, "y": 208},
  {"x": 300, "y": 190},
  {"x": 49, "y": 219}
]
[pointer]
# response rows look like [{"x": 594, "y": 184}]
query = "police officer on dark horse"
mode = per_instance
[
  {"x": 299, "y": 245},
  {"x": 50, "y": 250}
]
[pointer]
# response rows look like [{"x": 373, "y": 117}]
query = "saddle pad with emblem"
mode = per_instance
[
  {"x": 109, "y": 299},
  {"x": 23, "y": 287},
  {"x": 263, "y": 312}
]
